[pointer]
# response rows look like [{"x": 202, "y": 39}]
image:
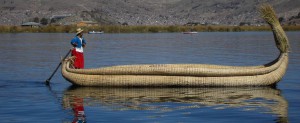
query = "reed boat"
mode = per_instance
[{"x": 188, "y": 75}]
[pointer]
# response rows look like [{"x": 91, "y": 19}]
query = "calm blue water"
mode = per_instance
[{"x": 28, "y": 59}]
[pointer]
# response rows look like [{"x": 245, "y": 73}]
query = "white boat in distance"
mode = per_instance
[
  {"x": 95, "y": 32},
  {"x": 192, "y": 32}
]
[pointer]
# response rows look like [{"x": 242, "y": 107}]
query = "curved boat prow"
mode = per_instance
[
  {"x": 280, "y": 37},
  {"x": 189, "y": 75}
]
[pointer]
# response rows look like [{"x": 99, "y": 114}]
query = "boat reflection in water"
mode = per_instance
[{"x": 257, "y": 99}]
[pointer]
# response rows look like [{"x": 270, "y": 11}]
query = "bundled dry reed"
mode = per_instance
[{"x": 268, "y": 13}]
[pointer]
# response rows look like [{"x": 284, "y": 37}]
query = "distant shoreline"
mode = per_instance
[{"x": 140, "y": 29}]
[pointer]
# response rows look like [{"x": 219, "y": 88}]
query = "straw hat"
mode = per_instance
[{"x": 79, "y": 30}]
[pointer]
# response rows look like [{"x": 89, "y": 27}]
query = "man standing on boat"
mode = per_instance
[{"x": 78, "y": 43}]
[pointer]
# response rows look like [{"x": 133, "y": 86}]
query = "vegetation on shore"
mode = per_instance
[{"x": 139, "y": 29}]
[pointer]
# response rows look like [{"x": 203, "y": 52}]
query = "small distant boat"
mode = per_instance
[
  {"x": 192, "y": 32},
  {"x": 95, "y": 32}
]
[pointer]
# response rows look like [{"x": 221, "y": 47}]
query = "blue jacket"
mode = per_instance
[{"x": 76, "y": 42}]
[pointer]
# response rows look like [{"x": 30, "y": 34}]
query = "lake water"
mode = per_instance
[{"x": 28, "y": 59}]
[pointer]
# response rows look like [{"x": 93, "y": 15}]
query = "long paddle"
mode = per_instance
[{"x": 48, "y": 80}]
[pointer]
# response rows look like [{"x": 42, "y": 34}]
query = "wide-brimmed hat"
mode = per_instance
[{"x": 79, "y": 30}]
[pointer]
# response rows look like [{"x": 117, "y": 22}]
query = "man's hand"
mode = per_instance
[{"x": 74, "y": 44}]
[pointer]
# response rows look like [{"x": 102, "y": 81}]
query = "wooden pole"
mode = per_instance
[{"x": 48, "y": 80}]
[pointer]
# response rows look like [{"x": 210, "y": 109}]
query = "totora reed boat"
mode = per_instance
[{"x": 188, "y": 75}]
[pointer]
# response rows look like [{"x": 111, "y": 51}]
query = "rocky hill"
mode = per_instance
[{"x": 145, "y": 12}]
